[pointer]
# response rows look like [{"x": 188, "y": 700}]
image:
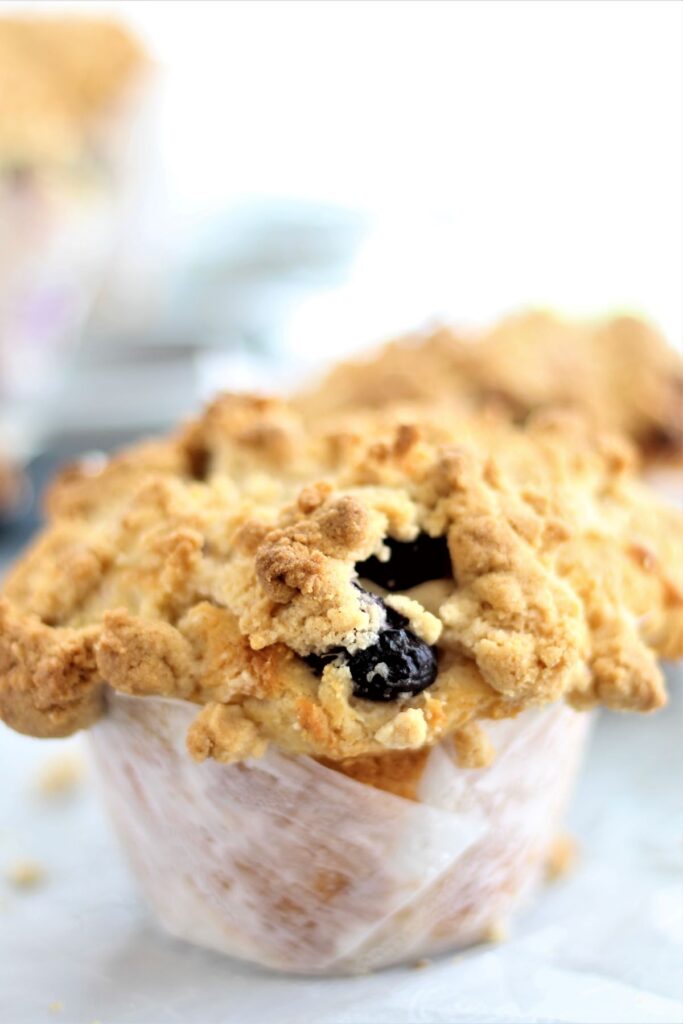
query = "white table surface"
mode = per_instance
[{"x": 605, "y": 945}]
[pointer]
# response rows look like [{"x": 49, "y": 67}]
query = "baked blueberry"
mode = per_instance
[
  {"x": 399, "y": 664},
  {"x": 410, "y": 563}
]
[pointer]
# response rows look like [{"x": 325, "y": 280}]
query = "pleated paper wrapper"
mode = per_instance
[
  {"x": 289, "y": 864},
  {"x": 668, "y": 483}
]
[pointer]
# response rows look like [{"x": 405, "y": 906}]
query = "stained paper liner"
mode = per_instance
[
  {"x": 668, "y": 483},
  {"x": 291, "y": 865}
]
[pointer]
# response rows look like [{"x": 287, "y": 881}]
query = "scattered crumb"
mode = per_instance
[
  {"x": 498, "y": 931},
  {"x": 424, "y": 962},
  {"x": 562, "y": 857},
  {"x": 25, "y": 874},
  {"x": 61, "y": 774},
  {"x": 56, "y": 1006}
]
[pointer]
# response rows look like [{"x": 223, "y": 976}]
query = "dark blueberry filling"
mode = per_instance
[
  {"x": 410, "y": 563},
  {"x": 398, "y": 664}
]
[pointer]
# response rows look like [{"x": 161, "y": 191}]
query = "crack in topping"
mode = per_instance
[{"x": 409, "y": 564}]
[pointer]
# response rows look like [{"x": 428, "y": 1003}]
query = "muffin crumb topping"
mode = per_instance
[{"x": 358, "y": 589}]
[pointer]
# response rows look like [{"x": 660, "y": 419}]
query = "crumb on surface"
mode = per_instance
[
  {"x": 25, "y": 874},
  {"x": 56, "y": 1006},
  {"x": 60, "y": 774},
  {"x": 562, "y": 857},
  {"x": 422, "y": 963}
]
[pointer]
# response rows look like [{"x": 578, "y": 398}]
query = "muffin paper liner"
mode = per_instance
[
  {"x": 668, "y": 483},
  {"x": 286, "y": 863}
]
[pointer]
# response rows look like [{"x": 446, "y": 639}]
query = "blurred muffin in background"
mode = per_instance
[
  {"x": 70, "y": 94},
  {"x": 619, "y": 372},
  {"x": 59, "y": 77}
]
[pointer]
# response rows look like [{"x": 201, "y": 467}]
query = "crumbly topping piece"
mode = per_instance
[
  {"x": 359, "y": 590},
  {"x": 49, "y": 686},
  {"x": 224, "y": 732},
  {"x": 408, "y": 730},
  {"x": 473, "y": 748},
  {"x": 620, "y": 373}
]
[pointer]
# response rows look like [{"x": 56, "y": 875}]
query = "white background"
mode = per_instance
[{"x": 545, "y": 133}]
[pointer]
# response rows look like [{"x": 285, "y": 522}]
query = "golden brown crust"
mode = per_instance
[
  {"x": 208, "y": 566},
  {"x": 398, "y": 772},
  {"x": 619, "y": 373},
  {"x": 49, "y": 686}
]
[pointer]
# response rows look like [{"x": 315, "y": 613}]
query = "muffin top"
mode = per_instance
[
  {"x": 56, "y": 75},
  {"x": 619, "y": 373},
  {"x": 369, "y": 586}
]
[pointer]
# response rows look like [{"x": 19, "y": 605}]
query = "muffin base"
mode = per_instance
[{"x": 288, "y": 864}]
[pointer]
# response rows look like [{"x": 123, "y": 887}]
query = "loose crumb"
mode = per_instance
[
  {"x": 562, "y": 857},
  {"x": 56, "y": 1006},
  {"x": 423, "y": 962},
  {"x": 25, "y": 874},
  {"x": 60, "y": 775}
]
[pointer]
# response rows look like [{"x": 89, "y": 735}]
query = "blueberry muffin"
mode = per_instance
[
  {"x": 619, "y": 373},
  {"x": 329, "y": 666}
]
